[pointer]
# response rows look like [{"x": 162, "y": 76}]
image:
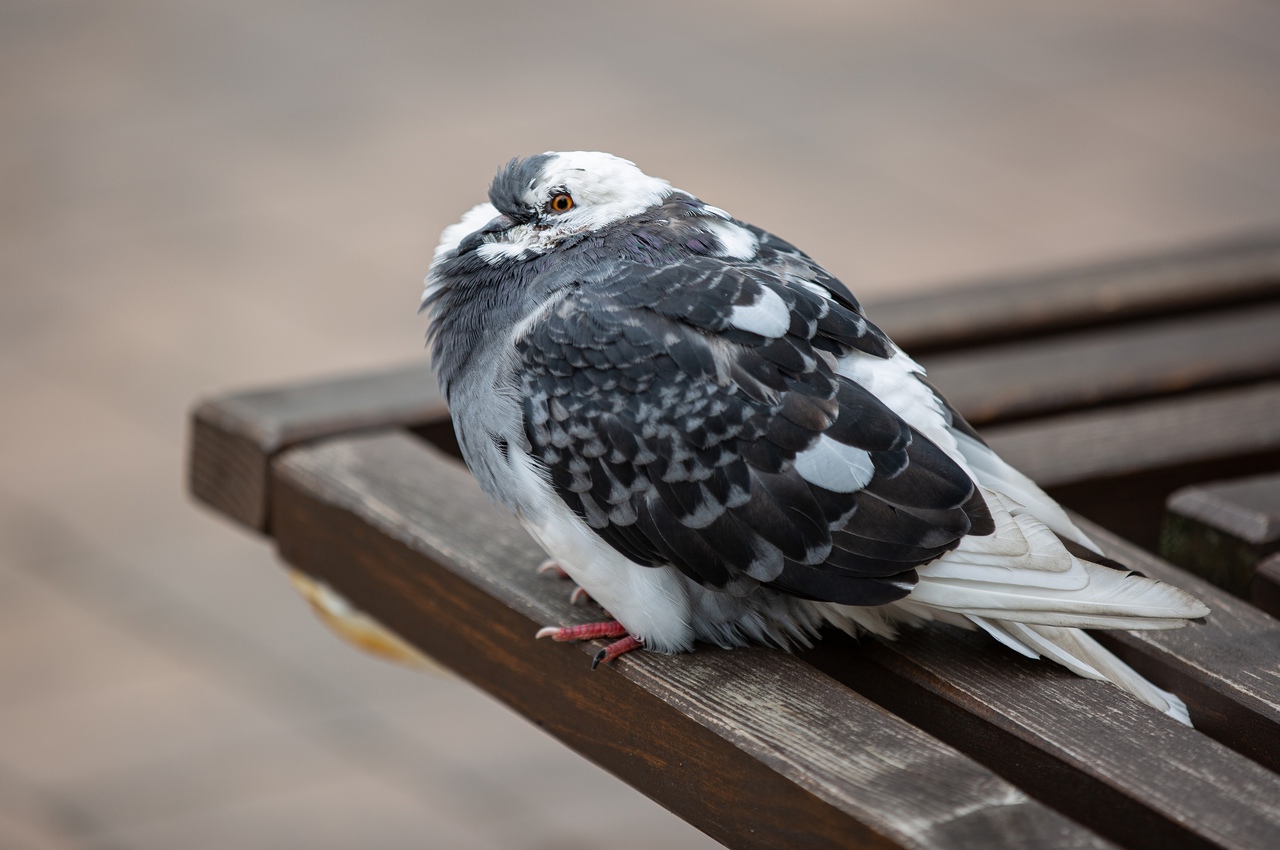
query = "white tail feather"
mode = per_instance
[
  {"x": 1084, "y": 656},
  {"x": 1022, "y": 572},
  {"x": 1110, "y": 600},
  {"x": 1024, "y": 588}
]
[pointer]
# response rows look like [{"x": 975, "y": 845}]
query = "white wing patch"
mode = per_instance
[
  {"x": 768, "y": 315},
  {"x": 835, "y": 466},
  {"x": 738, "y": 242},
  {"x": 894, "y": 382}
]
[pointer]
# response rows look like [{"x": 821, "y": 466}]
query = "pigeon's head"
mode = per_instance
[{"x": 538, "y": 202}]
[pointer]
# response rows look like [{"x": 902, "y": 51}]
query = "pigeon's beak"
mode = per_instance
[{"x": 501, "y": 224}]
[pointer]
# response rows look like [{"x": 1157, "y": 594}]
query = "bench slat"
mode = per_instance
[
  {"x": 754, "y": 747},
  {"x": 1024, "y": 306},
  {"x": 234, "y": 437},
  {"x": 1118, "y": 464},
  {"x": 1089, "y": 750},
  {"x": 1222, "y": 530},
  {"x": 1143, "y": 436},
  {"x": 1045, "y": 376}
]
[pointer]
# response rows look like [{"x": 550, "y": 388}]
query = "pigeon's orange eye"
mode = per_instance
[{"x": 561, "y": 203}]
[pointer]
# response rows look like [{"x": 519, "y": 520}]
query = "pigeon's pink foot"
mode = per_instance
[
  {"x": 550, "y": 566},
  {"x": 591, "y": 631}
]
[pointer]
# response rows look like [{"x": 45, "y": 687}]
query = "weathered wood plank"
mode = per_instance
[
  {"x": 1118, "y": 465},
  {"x": 1226, "y": 668},
  {"x": 234, "y": 437},
  {"x": 1044, "y": 376},
  {"x": 1222, "y": 530},
  {"x": 1026, "y": 306},
  {"x": 1092, "y": 752},
  {"x": 754, "y": 747}
]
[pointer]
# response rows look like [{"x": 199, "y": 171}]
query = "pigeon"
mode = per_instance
[{"x": 703, "y": 429}]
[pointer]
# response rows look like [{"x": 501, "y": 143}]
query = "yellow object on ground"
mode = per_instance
[{"x": 357, "y": 628}]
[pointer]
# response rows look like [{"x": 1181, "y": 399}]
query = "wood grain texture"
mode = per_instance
[
  {"x": 1227, "y": 668},
  {"x": 227, "y": 469},
  {"x": 234, "y": 437},
  {"x": 1091, "y": 751},
  {"x": 754, "y": 747},
  {"x": 1230, "y": 272},
  {"x": 1038, "y": 377}
]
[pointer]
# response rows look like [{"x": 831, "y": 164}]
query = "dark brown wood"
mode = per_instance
[
  {"x": 1227, "y": 668},
  {"x": 1093, "y": 753},
  {"x": 1118, "y": 465},
  {"x": 234, "y": 437},
  {"x": 1266, "y": 586},
  {"x": 1020, "y": 307},
  {"x": 1223, "y": 529},
  {"x": 754, "y": 747},
  {"x": 1043, "y": 376}
]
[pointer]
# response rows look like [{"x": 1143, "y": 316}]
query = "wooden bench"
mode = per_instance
[
  {"x": 1112, "y": 386},
  {"x": 1229, "y": 532}
]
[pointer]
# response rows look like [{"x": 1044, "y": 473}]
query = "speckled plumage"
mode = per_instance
[{"x": 699, "y": 423}]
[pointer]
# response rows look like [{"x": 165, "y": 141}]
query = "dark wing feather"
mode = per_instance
[{"x": 674, "y": 434}]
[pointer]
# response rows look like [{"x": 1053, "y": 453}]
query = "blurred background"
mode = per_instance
[{"x": 214, "y": 194}]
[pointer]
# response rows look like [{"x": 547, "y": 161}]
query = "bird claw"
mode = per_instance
[
  {"x": 615, "y": 649},
  {"x": 550, "y": 565},
  {"x": 591, "y": 631}
]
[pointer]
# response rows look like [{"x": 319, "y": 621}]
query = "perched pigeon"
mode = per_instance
[{"x": 701, "y": 427}]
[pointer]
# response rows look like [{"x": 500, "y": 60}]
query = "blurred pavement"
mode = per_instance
[{"x": 197, "y": 196}]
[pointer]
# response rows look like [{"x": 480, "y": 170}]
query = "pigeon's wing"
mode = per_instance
[{"x": 691, "y": 415}]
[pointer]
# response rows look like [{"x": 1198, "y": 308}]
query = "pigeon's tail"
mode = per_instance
[
  {"x": 1067, "y": 645},
  {"x": 1030, "y": 592},
  {"x": 1081, "y": 595},
  {"x": 1084, "y": 656}
]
